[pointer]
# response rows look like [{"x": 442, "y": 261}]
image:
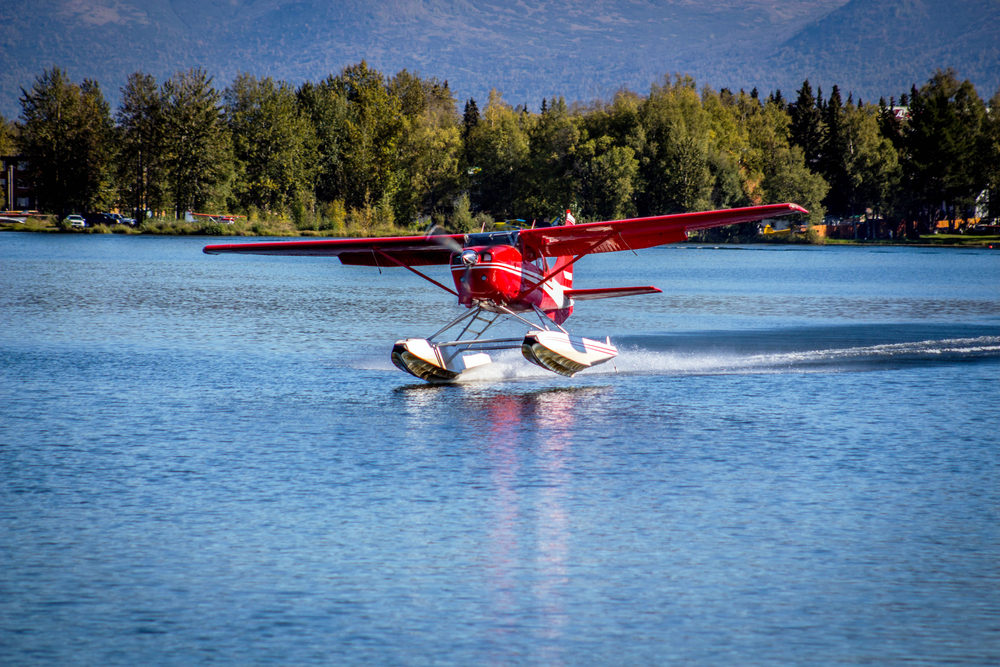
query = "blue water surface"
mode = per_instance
[{"x": 794, "y": 460}]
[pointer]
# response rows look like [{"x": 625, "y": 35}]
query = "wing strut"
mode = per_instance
[
  {"x": 553, "y": 272},
  {"x": 406, "y": 266}
]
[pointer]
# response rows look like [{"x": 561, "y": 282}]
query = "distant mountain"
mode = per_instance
[
  {"x": 528, "y": 50},
  {"x": 879, "y": 47}
]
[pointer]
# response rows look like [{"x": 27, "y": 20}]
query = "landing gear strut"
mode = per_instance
[{"x": 442, "y": 362}]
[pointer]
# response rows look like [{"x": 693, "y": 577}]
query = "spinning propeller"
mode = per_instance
[{"x": 469, "y": 257}]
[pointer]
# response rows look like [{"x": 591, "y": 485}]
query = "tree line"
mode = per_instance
[{"x": 361, "y": 150}]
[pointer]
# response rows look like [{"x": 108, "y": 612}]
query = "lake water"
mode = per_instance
[{"x": 795, "y": 460}]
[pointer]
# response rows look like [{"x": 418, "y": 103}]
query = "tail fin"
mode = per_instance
[{"x": 570, "y": 220}]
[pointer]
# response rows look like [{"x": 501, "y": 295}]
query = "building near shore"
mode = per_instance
[{"x": 18, "y": 190}]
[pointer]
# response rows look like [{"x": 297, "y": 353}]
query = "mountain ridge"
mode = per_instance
[{"x": 528, "y": 51}]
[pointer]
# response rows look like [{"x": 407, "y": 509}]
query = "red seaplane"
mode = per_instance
[{"x": 510, "y": 274}]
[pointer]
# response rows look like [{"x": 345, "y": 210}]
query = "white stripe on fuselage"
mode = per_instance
[{"x": 530, "y": 272}]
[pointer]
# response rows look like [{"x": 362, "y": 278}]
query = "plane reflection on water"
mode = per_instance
[
  {"x": 530, "y": 449},
  {"x": 527, "y": 446},
  {"x": 554, "y": 528}
]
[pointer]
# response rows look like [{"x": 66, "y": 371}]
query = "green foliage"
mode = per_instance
[
  {"x": 498, "y": 148},
  {"x": 871, "y": 161},
  {"x": 806, "y": 126},
  {"x": 335, "y": 217},
  {"x": 675, "y": 163},
  {"x": 786, "y": 178},
  {"x": 274, "y": 146},
  {"x": 42, "y": 223},
  {"x": 461, "y": 216},
  {"x": 96, "y": 147},
  {"x": 945, "y": 160},
  {"x": 836, "y": 153},
  {"x": 360, "y": 153},
  {"x": 992, "y": 155},
  {"x": 7, "y": 147},
  {"x": 197, "y": 147},
  {"x": 607, "y": 179},
  {"x": 66, "y": 134},
  {"x": 142, "y": 149},
  {"x": 784, "y": 175},
  {"x": 429, "y": 152},
  {"x": 327, "y": 111},
  {"x": 548, "y": 182},
  {"x": 368, "y": 138},
  {"x": 470, "y": 118}
]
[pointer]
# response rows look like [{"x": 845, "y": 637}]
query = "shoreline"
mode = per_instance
[{"x": 945, "y": 241}]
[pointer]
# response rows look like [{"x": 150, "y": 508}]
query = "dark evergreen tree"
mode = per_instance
[
  {"x": 66, "y": 134},
  {"x": 497, "y": 151},
  {"x": 96, "y": 146},
  {"x": 946, "y": 149},
  {"x": 141, "y": 168},
  {"x": 8, "y": 147},
  {"x": 992, "y": 152},
  {"x": 833, "y": 163},
  {"x": 470, "y": 118},
  {"x": 776, "y": 99},
  {"x": 889, "y": 124},
  {"x": 806, "y": 128}
]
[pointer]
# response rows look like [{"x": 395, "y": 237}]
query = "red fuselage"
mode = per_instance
[{"x": 490, "y": 275}]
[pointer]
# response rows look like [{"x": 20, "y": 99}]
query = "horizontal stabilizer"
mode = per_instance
[{"x": 609, "y": 292}]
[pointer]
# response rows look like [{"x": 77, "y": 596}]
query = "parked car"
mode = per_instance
[
  {"x": 75, "y": 220},
  {"x": 94, "y": 219},
  {"x": 123, "y": 220}
]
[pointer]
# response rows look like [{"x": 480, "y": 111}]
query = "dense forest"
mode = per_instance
[{"x": 360, "y": 152}]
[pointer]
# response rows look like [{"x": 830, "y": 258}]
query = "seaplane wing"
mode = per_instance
[
  {"x": 563, "y": 240},
  {"x": 406, "y": 250},
  {"x": 638, "y": 233}
]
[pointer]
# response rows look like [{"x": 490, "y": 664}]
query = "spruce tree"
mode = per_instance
[
  {"x": 66, "y": 134},
  {"x": 470, "y": 118},
  {"x": 806, "y": 129},
  {"x": 834, "y": 159},
  {"x": 141, "y": 175},
  {"x": 945, "y": 149}
]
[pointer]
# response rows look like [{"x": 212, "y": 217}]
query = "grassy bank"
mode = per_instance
[
  {"x": 171, "y": 227},
  {"x": 931, "y": 240},
  {"x": 970, "y": 240}
]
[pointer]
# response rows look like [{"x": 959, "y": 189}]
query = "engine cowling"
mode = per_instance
[{"x": 487, "y": 273}]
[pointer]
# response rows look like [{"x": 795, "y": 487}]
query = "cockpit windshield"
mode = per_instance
[{"x": 491, "y": 238}]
